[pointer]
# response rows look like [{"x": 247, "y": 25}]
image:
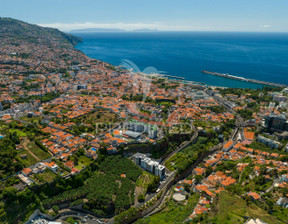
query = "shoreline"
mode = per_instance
[{"x": 237, "y": 80}]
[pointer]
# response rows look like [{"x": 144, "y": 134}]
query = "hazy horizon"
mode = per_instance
[{"x": 168, "y": 15}]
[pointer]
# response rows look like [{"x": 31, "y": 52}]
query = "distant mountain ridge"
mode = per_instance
[
  {"x": 88, "y": 30},
  {"x": 102, "y": 30},
  {"x": 12, "y": 28}
]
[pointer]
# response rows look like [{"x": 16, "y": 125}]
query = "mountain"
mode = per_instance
[
  {"x": 95, "y": 30},
  {"x": 146, "y": 30},
  {"x": 15, "y": 29}
]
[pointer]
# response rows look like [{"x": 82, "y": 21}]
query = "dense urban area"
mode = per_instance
[{"x": 83, "y": 141}]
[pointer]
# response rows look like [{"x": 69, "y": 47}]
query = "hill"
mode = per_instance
[
  {"x": 26, "y": 48},
  {"x": 229, "y": 208},
  {"x": 15, "y": 29}
]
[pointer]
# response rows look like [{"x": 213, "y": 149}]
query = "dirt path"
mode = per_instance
[
  {"x": 138, "y": 191},
  {"x": 25, "y": 143}
]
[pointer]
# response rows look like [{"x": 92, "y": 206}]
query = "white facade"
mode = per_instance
[{"x": 149, "y": 165}]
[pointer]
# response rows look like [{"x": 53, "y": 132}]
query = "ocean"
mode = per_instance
[{"x": 262, "y": 56}]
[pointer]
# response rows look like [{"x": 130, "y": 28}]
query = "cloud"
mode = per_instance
[
  {"x": 161, "y": 26},
  {"x": 265, "y": 26},
  {"x": 125, "y": 26}
]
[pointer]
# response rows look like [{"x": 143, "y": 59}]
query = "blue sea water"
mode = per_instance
[{"x": 262, "y": 56}]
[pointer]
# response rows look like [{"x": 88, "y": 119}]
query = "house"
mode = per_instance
[
  {"x": 198, "y": 171},
  {"x": 228, "y": 181},
  {"x": 248, "y": 135},
  {"x": 24, "y": 179},
  {"x": 74, "y": 171},
  {"x": 52, "y": 166},
  {"x": 69, "y": 164},
  {"x": 23, "y": 156},
  {"x": 284, "y": 178},
  {"x": 91, "y": 153},
  {"x": 254, "y": 196},
  {"x": 283, "y": 201},
  {"x": 27, "y": 171},
  {"x": 228, "y": 146},
  {"x": 189, "y": 182}
]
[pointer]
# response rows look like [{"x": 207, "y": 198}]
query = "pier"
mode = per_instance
[
  {"x": 245, "y": 79},
  {"x": 175, "y": 77}
]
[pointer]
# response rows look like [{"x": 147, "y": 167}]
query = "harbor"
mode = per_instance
[{"x": 226, "y": 75}]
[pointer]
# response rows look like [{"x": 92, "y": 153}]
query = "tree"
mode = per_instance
[
  {"x": 152, "y": 187},
  {"x": 208, "y": 171},
  {"x": 70, "y": 220},
  {"x": 141, "y": 198},
  {"x": 10, "y": 193},
  {"x": 55, "y": 209},
  {"x": 187, "y": 187},
  {"x": 198, "y": 178}
]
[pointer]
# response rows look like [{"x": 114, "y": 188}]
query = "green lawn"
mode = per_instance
[
  {"x": 84, "y": 160},
  {"x": 79, "y": 167},
  {"x": 41, "y": 154},
  {"x": 232, "y": 209},
  {"x": 174, "y": 213}
]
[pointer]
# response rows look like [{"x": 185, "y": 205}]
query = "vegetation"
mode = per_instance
[
  {"x": 173, "y": 213},
  {"x": 148, "y": 182},
  {"x": 8, "y": 155},
  {"x": 183, "y": 159},
  {"x": 107, "y": 192},
  {"x": 229, "y": 208}
]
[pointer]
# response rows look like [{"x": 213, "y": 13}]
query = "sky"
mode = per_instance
[{"x": 165, "y": 15}]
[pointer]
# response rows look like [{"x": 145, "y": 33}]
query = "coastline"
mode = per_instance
[{"x": 112, "y": 48}]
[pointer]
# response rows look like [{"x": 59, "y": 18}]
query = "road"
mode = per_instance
[
  {"x": 182, "y": 146},
  {"x": 83, "y": 217},
  {"x": 161, "y": 187}
]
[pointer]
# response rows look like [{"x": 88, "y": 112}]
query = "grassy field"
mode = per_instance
[
  {"x": 100, "y": 116},
  {"x": 174, "y": 213},
  {"x": 41, "y": 154},
  {"x": 30, "y": 160},
  {"x": 232, "y": 209},
  {"x": 172, "y": 163},
  {"x": 84, "y": 161},
  {"x": 46, "y": 176}
]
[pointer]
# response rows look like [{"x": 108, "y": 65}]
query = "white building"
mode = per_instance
[
  {"x": 149, "y": 165},
  {"x": 269, "y": 142}
]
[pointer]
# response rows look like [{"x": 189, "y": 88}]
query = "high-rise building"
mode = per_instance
[
  {"x": 149, "y": 165},
  {"x": 277, "y": 122}
]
